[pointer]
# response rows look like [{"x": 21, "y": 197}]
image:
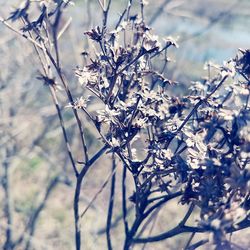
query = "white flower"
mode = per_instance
[
  {"x": 167, "y": 153},
  {"x": 194, "y": 158},
  {"x": 171, "y": 41},
  {"x": 194, "y": 163},
  {"x": 104, "y": 83},
  {"x": 80, "y": 103},
  {"x": 151, "y": 41},
  {"x": 134, "y": 153},
  {"x": 121, "y": 27},
  {"x": 227, "y": 114},
  {"x": 108, "y": 115},
  {"x": 143, "y": 63},
  {"x": 230, "y": 68},
  {"x": 196, "y": 140},
  {"x": 114, "y": 142},
  {"x": 242, "y": 90},
  {"x": 163, "y": 110},
  {"x": 144, "y": 2},
  {"x": 126, "y": 105},
  {"x": 45, "y": 2},
  {"x": 198, "y": 86},
  {"x": 87, "y": 77},
  {"x": 141, "y": 122},
  {"x": 173, "y": 124}
]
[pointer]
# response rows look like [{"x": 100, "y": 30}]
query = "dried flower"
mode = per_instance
[
  {"x": 87, "y": 76},
  {"x": 95, "y": 34},
  {"x": 80, "y": 103},
  {"x": 171, "y": 41}
]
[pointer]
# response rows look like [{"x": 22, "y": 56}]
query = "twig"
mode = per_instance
[
  {"x": 111, "y": 203},
  {"x": 63, "y": 129},
  {"x": 124, "y": 201},
  {"x": 161, "y": 202},
  {"x": 189, "y": 241},
  {"x": 78, "y": 192},
  {"x": 186, "y": 217},
  {"x": 20, "y": 33},
  {"x": 64, "y": 28},
  {"x": 154, "y": 218},
  {"x": 105, "y": 16},
  {"x": 169, "y": 234},
  {"x": 111, "y": 175},
  {"x": 115, "y": 221}
]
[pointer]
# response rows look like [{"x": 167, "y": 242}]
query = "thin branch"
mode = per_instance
[
  {"x": 124, "y": 199},
  {"x": 80, "y": 177},
  {"x": 3, "y": 21},
  {"x": 33, "y": 219},
  {"x": 111, "y": 175},
  {"x": 115, "y": 221},
  {"x": 63, "y": 129},
  {"x": 111, "y": 203},
  {"x": 169, "y": 234},
  {"x": 64, "y": 28},
  {"x": 101, "y": 4},
  {"x": 197, "y": 244},
  {"x": 52, "y": 91},
  {"x": 161, "y": 202},
  {"x": 65, "y": 84},
  {"x": 186, "y": 217},
  {"x": 154, "y": 218},
  {"x": 187, "y": 229},
  {"x": 105, "y": 16},
  {"x": 141, "y": 217},
  {"x": 31, "y": 225},
  {"x": 189, "y": 241}
]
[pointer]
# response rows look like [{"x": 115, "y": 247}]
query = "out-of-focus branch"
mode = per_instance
[
  {"x": 211, "y": 24},
  {"x": 31, "y": 226},
  {"x": 3, "y": 21},
  {"x": 158, "y": 12},
  {"x": 8, "y": 245}
]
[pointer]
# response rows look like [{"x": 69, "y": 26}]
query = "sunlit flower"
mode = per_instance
[{"x": 87, "y": 76}]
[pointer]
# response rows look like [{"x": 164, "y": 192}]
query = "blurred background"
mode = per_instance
[{"x": 37, "y": 184}]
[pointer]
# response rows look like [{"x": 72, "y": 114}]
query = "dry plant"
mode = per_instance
[{"x": 190, "y": 148}]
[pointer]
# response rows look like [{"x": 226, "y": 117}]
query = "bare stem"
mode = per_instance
[{"x": 111, "y": 204}]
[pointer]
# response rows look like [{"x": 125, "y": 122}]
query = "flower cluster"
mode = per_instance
[{"x": 197, "y": 143}]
